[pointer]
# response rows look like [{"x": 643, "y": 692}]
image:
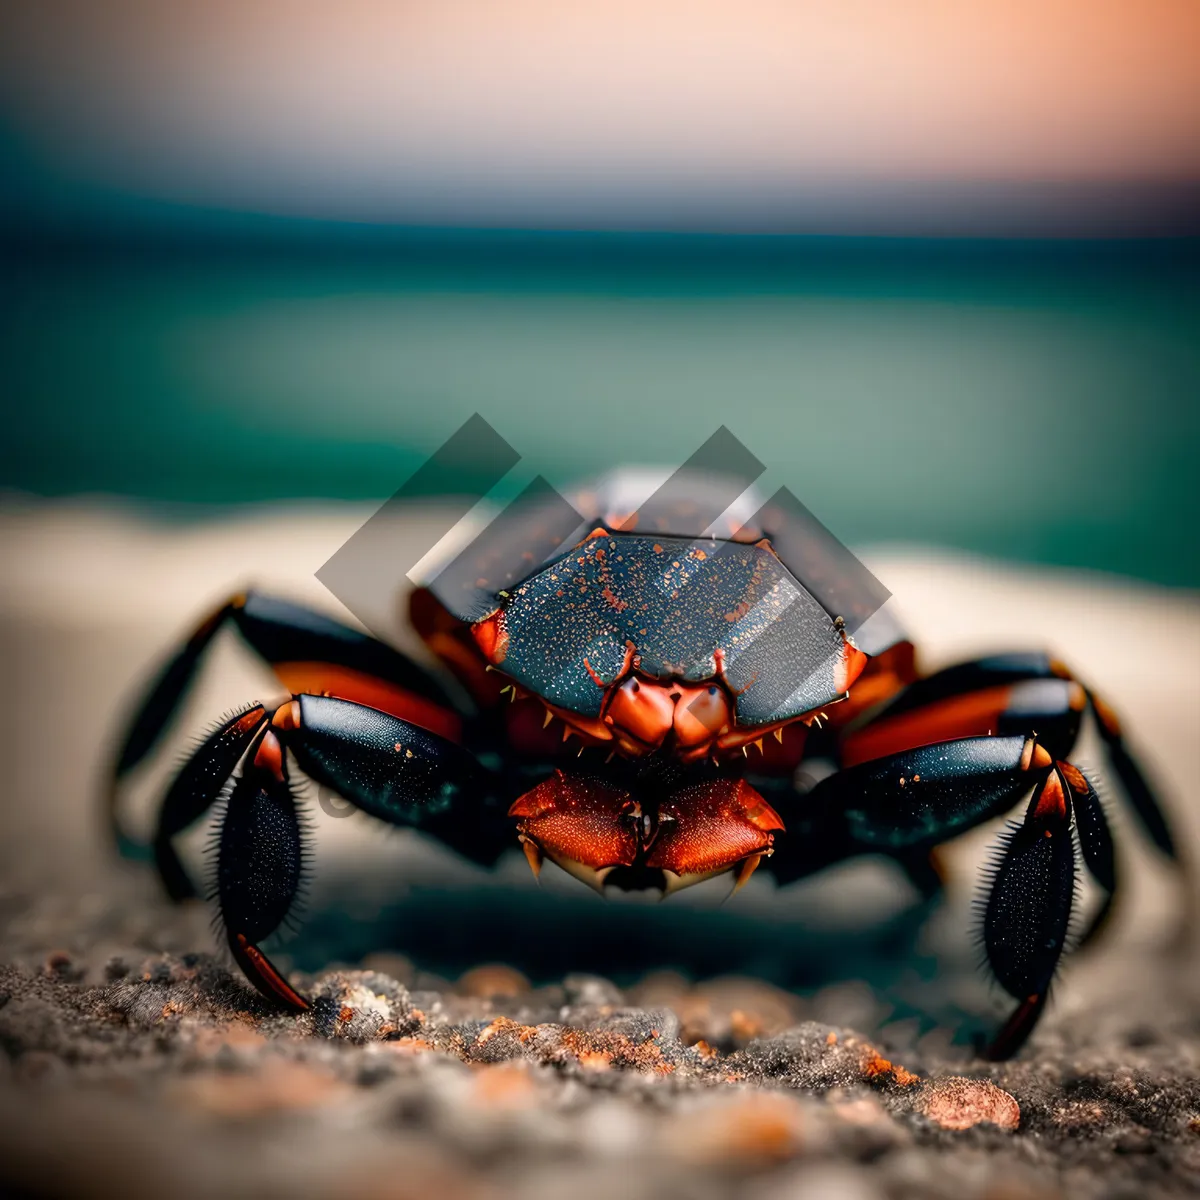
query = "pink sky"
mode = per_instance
[{"x": 548, "y": 109}]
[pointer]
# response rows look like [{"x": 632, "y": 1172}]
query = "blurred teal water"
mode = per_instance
[{"x": 1038, "y": 403}]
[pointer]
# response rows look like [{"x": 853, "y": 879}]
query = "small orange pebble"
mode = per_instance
[
  {"x": 275, "y": 1087},
  {"x": 236, "y": 1034},
  {"x": 503, "y": 1085},
  {"x": 958, "y": 1103},
  {"x": 345, "y": 1013},
  {"x": 492, "y": 979},
  {"x": 748, "y": 1128},
  {"x": 409, "y": 1045},
  {"x": 863, "y": 1111},
  {"x": 705, "y": 1050},
  {"x": 745, "y": 1026},
  {"x": 876, "y": 1067}
]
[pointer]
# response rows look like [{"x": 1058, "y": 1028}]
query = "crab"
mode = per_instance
[{"x": 636, "y": 703}]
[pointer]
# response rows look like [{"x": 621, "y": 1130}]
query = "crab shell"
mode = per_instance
[{"x": 641, "y": 642}]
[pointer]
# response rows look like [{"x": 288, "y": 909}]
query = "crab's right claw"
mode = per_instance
[{"x": 585, "y": 826}]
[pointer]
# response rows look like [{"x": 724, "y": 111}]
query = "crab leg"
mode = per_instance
[
  {"x": 921, "y": 797},
  {"x": 1053, "y": 707},
  {"x": 1027, "y": 909},
  {"x": 1095, "y": 844},
  {"x": 398, "y": 772},
  {"x": 389, "y": 768},
  {"x": 308, "y": 653},
  {"x": 196, "y": 787},
  {"x": 999, "y": 694},
  {"x": 260, "y": 862},
  {"x": 915, "y": 799},
  {"x": 1133, "y": 779}
]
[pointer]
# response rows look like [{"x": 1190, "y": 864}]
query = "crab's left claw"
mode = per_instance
[
  {"x": 585, "y": 826},
  {"x": 711, "y": 828}
]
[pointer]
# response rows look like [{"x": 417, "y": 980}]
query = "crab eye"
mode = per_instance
[
  {"x": 633, "y": 683},
  {"x": 712, "y": 691}
]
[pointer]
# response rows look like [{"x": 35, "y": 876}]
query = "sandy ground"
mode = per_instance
[{"x": 136, "y": 1062}]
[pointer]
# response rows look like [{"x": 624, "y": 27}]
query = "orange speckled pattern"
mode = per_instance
[
  {"x": 712, "y": 826},
  {"x": 578, "y": 819}
]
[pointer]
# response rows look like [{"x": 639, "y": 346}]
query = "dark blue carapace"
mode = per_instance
[{"x": 682, "y": 604}]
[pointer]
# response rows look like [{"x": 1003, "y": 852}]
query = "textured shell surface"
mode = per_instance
[{"x": 678, "y": 601}]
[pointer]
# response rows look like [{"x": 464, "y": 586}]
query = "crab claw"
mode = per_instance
[
  {"x": 710, "y": 828},
  {"x": 580, "y": 823}
]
